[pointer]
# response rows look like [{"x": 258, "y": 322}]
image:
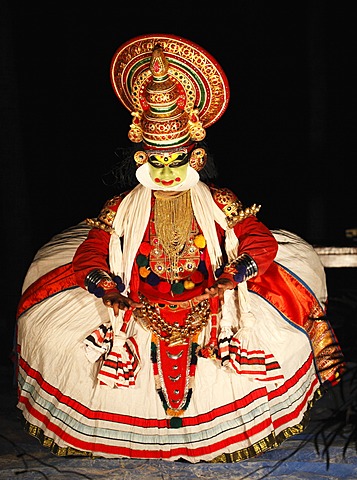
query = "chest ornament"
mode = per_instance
[{"x": 172, "y": 258}]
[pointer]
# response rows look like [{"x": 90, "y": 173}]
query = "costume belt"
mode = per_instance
[{"x": 173, "y": 334}]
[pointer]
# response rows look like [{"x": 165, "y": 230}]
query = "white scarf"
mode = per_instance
[{"x": 132, "y": 218}]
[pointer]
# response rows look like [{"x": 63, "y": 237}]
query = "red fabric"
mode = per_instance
[
  {"x": 286, "y": 293},
  {"x": 255, "y": 239},
  {"x": 91, "y": 254},
  {"x": 55, "y": 281}
]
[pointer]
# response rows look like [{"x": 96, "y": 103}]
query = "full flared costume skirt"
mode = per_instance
[{"x": 232, "y": 414}]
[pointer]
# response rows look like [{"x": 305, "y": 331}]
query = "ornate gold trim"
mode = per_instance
[
  {"x": 93, "y": 222},
  {"x": 235, "y": 216}
]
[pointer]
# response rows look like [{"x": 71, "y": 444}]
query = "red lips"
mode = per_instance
[{"x": 164, "y": 182}]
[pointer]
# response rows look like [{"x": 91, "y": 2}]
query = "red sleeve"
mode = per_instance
[
  {"x": 257, "y": 241},
  {"x": 91, "y": 254},
  {"x": 94, "y": 251}
]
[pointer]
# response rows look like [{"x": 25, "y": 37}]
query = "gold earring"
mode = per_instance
[
  {"x": 140, "y": 157},
  {"x": 198, "y": 158}
]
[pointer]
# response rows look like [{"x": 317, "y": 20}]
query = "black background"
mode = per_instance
[{"x": 286, "y": 141}]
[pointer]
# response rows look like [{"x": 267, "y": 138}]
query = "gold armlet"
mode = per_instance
[
  {"x": 235, "y": 215},
  {"x": 95, "y": 223},
  {"x": 106, "y": 217}
]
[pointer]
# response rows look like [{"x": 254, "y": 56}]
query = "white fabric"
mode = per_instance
[
  {"x": 121, "y": 422},
  {"x": 51, "y": 335},
  {"x": 57, "y": 251},
  {"x": 142, "y": 174},
  {"x": 132, "y": 219}
]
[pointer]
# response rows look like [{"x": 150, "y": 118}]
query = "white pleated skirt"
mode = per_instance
[{"x": 230, "y": 415}]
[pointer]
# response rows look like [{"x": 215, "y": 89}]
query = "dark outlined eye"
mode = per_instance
[{"x": 155, "y": 162}]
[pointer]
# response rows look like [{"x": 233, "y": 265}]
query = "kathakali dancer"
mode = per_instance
[{"x": 175, "y": 325}]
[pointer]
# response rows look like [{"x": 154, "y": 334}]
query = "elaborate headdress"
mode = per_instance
[{"x": 173, "y": 88}]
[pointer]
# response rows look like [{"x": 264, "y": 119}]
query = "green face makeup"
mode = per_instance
[{"x": 168, "y": 169}]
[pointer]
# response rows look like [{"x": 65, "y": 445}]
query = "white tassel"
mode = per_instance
[
  {"x": 228, "y": 320},
  {"x": 247, "y": 356},
  {"x": 122, "y": 363},
  {"x": 98, "y": 342}
]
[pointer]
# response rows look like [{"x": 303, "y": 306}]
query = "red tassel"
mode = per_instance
[{"x": 121, "y": 366}]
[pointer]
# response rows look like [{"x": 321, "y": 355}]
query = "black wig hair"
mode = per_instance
[{"x": 122, "y": 174}]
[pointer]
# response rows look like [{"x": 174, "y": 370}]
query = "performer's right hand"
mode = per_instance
[{"x": 117, "y": 301}]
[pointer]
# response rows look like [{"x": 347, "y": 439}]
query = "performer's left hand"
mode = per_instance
[{"x": 218, "y": 288}]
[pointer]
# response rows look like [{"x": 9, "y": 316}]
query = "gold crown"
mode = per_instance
[{"x": 173, "y": 88}]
